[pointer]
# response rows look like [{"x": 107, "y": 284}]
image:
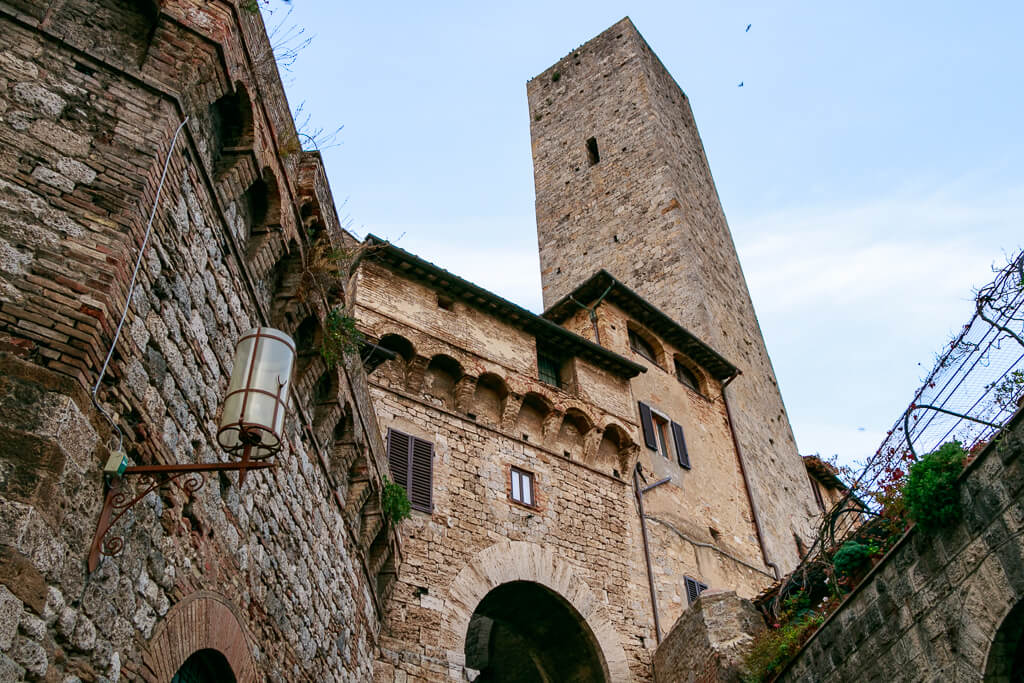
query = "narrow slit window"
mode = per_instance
[
  {"x": 592, "y": 154},
  {"x": 660, "y": 429}
]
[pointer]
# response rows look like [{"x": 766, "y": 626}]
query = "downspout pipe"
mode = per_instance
[
  {"x": 746, "y": 478},
  {"x": 592, "y": 310},
  {"x": 639, "y": 492}
]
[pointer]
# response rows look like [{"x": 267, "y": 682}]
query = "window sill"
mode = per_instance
[{"x": 531, "y": 508}]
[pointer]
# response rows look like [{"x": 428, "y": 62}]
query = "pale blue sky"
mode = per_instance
[{"x": 869, "y": 167}]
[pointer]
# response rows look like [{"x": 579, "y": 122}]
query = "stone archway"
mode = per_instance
[
  {"x": 524, "y": 632},
  {"x": 509, "y": 562},
  {"x": 1005, "y": 662},
  {"x": 203, "y": 620}
]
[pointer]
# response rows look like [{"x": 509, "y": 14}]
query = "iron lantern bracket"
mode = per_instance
[{"x": 151, "y": 477}]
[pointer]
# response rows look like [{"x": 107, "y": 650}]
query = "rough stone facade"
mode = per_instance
[
  {"x": 485, "y": 411},
  {"x": 286, "y": 577},
  {"x": 622, "y": 183},
  {"x": 701, "y": 523},
  {"x": 947, "y": 606},
  {"x": 710, "y": 640},
  {"x": 298, "y": 575}
]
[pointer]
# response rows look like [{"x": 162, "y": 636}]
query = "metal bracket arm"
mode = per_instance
[{"x": 151, "y": 477}]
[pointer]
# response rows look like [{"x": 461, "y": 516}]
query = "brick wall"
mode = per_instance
[{"x": 286, "y": 576}]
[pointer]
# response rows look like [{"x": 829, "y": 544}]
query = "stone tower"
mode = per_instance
[{"x": 622, "y": 183}]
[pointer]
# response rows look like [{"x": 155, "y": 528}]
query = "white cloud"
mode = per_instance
[{"x": 853, "y": 298}]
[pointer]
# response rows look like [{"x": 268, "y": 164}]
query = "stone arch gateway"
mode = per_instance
[{"x": 518, "y": 562}]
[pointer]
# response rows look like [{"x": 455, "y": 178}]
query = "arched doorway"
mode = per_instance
[
  {"x": 205, "y": 666},
  {"x": 199, "y": 639},
  {"x": 1006, "y": 656},
  {"x": 522, "y": 632}
]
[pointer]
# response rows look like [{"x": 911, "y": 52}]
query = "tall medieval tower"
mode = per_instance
[{"x": 622, "y": 183}]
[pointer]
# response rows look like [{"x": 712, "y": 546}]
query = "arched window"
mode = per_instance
[
  {"x": 686, "y": 376},
  {"x": 641, "y": 346}
]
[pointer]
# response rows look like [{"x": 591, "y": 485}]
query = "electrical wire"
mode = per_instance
[{"x": 131, "y": 288}]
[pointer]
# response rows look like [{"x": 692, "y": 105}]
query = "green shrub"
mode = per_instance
[
  {"x": 852, "y": 557},
  {"x": 795, "y": 605},
  {"x": 340, "y": 337},
  {"x": 395, "y": 502},
  {"x": 774, "y": 648},
  {"x": 930, "y": 491}
]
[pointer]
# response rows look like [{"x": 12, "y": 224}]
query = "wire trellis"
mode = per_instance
[{"x": 975, "y": 386}]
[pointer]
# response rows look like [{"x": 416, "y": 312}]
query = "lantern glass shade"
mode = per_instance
[{"x": 254, "y": 408}]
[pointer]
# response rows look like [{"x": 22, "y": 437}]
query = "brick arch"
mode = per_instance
[
  {"x": 201, "y": 620},
  {"x": 523, "y": 561}
]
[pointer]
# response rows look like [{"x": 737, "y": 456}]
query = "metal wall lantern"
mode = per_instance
[{"x": 251, "y": 429}]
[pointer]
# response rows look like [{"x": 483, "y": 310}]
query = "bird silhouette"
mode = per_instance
[
  {"x": 740, "y": 85},
  {"x": 748, "y": 28}
]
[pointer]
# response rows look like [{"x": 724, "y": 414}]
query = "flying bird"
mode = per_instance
[
  {"x": 740, "y": 85},
  {"x": 748, "y": 28}
]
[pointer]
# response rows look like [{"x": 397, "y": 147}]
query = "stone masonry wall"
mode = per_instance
[
  {"x": 944, "y": 606},
  {"x": 700, "y": 525},
  {"x": 649, "y": 213},
  {"x": 709, "y": 642},
  {"x": 581, "y": 539},
  {"x": 287, "y": 576}
]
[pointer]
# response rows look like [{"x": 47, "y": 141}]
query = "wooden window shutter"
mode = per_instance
[
  {"x": 693, "y": 589},
  {"x": 680, "y": 444},
  {"x": 398, "y": 457},
  {"x": 647, "y": 424},
  {"x": 421, "y": 474}
]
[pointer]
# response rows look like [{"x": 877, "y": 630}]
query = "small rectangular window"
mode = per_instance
[
  {"x": 661, "y": 429},
  {"x": 522, "y": 486},
  {"x": 693, "y": 589},
  {"x": 549, "y": 369},
  {"x": 592, "y": 154}
]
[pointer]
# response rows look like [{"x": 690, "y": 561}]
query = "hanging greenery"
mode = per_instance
[
  {"x": 341, "y": 337},
  {"x": 395, "y": 502}
]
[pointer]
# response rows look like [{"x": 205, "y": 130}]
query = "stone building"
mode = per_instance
[
  {"x": 284, "y": 578},
  {"x": 577, "y": 478},
  {"x": 541, "y": 437}
]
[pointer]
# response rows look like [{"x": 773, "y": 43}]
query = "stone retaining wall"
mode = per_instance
[{"x": 944, "y": 606}]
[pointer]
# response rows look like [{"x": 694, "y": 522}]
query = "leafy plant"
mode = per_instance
[
  {"x": 341, "y": 337},
  {"x": 852, "y": 556},
  {"x": 555, "y": 76},
  {"x": 252, "y": 6},
  {"x": 774, "y": 648},
  {"x": 930, "y": 492},
  {"x": 795, "y": 605},
  {"x": 1009, "y": 392},
  {"x": 395, "y": 502}
]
